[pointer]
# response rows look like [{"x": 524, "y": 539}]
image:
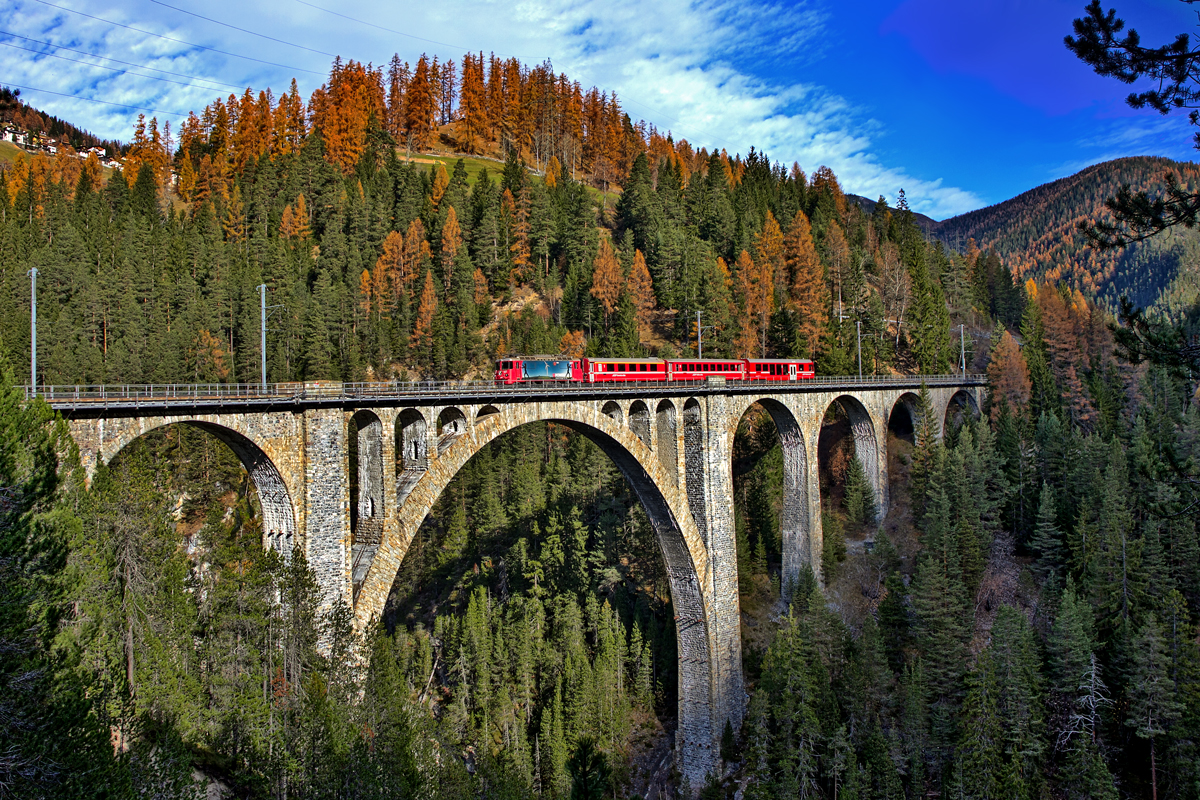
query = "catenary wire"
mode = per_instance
[
  {"x": 119, "y": 61},
  {"x": 180, "y": 41},
  {"x": 243, "y": 30},
  {"x": 460, "y": 48},
  {"x": 99, "y": 66},
  {"x": 181, "y": 115}
]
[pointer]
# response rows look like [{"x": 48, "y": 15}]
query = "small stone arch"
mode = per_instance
[
  {"x": 486, "y": 412},
  {"x": 693, "y": 460},
  {"x": 799, "y": 549},
  {"x": 866, "y": 446},
  {"x": 451, "y": 424},
  {"x": 278, "y": 512},
  {"x": 612, "y": 410},
  {"x": 960, "y": 405},
  {"x": 412, "y": 451},
  {"x": 667, "y": 443},
  {"x": 366, "y": 476},
  {"x": 905, "y": 417},
  {"x": 639, "y": 421},
  {"x": 412, "y": 441}
]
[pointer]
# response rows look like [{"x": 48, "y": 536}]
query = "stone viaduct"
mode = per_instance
[{"x": 672, "y": 442}]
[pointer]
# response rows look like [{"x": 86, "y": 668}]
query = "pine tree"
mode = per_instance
[
  {"x": 1153, "y": 706},
  {"x": 1047, "y": 538}
]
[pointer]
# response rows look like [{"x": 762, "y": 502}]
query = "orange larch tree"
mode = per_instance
[
  {"x": 472, "y": 128},
  {"x": 572, "y": 345},
  {"x": 521, "y": 257},
  {"x": 608, "y": 279},
  {"x": 1008, "y": 374},
  {"x": 416, "y": 253},
  {"x": 451, "y": 242},
  {"x": 808, "y": 289},
  {"x": 419, "y": 107},
  {"x": 294, "y": 224},
  {"x": 756, "y": 290},
  {"x": 641, "y": 291},
  {"x": 769, "y": 253},
  {"x": 441, "y": 180},
  {"x": 422, "y": 335}
]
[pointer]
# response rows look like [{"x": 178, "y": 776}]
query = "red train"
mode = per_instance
[{"x": 604, "y": 370}]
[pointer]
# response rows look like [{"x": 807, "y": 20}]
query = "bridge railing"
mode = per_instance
[{"x": 292, "y": 392}]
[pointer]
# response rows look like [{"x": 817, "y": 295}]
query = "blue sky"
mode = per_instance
[{"x": 962, "y": 103}]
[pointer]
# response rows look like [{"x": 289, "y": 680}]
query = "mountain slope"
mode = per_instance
[{"x": 1036, "y": 233}]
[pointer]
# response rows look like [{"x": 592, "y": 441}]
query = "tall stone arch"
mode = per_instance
[
  {"x": 100, "y": 441},
  {"x": 708, "y": 695}
]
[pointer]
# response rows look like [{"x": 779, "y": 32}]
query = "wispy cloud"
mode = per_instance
[{"x": 704, "y": 70}]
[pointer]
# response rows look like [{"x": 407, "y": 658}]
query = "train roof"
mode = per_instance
[
  {"x": 626, "y": 360},
  {"x": 779, "y": 360},
  {"x": 535, "y": 358}
]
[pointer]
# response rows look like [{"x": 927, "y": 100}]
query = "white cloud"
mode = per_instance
[{"x": 694, "y": 68}]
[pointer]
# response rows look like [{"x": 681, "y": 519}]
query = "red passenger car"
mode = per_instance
[
  {"x": 609, "y": 370},
  {"x": 692, "y": 369},
  {"x": 778, "y": 369}
]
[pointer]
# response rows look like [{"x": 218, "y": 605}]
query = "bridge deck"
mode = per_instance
[{"x": 94, "y": 401}]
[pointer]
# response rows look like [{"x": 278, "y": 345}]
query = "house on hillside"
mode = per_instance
[{"x": 14, "y": 135}]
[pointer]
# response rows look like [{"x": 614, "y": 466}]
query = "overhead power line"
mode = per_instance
[
  {"x": 458, "y": 47},
  {"x": 180, "y": 114},
  {"x": 180, "y": 41},
  {"x": 243, "y": 30},
  {"x": 119, "y": 61},
  {"x": 98, "y": 66}
]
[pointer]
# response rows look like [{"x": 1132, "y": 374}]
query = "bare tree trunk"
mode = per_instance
[{"x": 1153, "y": 773}]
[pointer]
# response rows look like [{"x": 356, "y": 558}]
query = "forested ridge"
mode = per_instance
[
  {"x": 1020, "y": 624},
  {"x": 1037, "y": 234}
]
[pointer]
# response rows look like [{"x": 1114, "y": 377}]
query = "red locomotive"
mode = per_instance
[{"x": 612, "y": 370}]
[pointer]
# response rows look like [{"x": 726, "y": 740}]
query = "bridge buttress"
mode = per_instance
[
  {"x": 710, "y": 476},
  {"x": 326, "y": 516}
]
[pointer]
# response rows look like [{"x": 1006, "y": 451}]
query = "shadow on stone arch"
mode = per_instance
[
  {"x": 770, "y": 458},
  {"x": 960, "y": 408},
  {"x": 902, "y": 421},
  {"x": 275, "y": 502},
  {"x": 367, "y": 471},
  {"x": 847, "y": 432}
]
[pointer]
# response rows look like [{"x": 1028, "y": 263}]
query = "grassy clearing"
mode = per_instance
[{"x": 8, "y": 152}]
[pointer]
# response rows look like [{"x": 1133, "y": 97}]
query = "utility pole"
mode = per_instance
[
  {"x": 700, "y": 335},
  {"x": 962, "y": 348},
  {"x": 262, "y": 331},
  {"x": 858, "y": 327},
  {"x": 33, "y": 332}
]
